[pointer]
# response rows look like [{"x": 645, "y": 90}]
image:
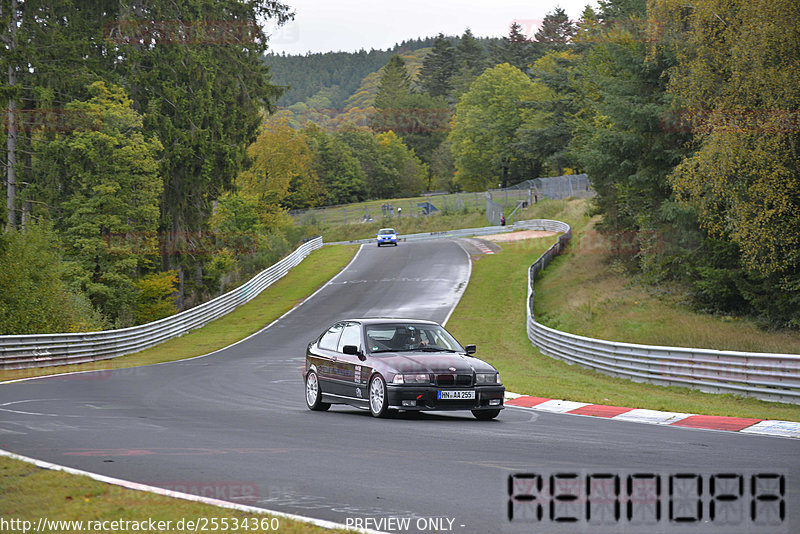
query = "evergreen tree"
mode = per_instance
[
  {"x": 471, "y": 61},
  {"x": 470, "y": 53},
  {"x": 516, "y": 49},
  {"x": 588, "y": 30},
  {"x": 394, "y": 85},
  {"x": 438, "y": 68},
  {"x": 108, "y": 208},
  {"x": 184, "y": 82},
  {"x": 619, "y": 12},
  {"x": 547, "y": 128},
  {"x": 556, "y": 31},
  {"x": 337, "y": 167},
  {"x": 419, "y": 119}
]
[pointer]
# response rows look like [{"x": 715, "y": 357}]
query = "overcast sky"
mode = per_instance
[{"x": 349, "y": 25}]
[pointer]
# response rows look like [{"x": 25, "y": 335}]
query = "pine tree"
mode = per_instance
[
  {"x": 470, "y": 53},
  {"x": 395, "y": 83},
  {"x": 391, "y": 101},
  {"x": 471, "y": 61},
  {"x": 556, "y": 31},
  {"x": 516, "y": 49},
  {"x": 438, "y": 68}
]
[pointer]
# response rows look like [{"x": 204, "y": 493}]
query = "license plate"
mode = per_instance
[{"x": 456, "y": 395}]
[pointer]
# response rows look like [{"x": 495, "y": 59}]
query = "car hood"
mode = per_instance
[{"x": 434, "y": 362}]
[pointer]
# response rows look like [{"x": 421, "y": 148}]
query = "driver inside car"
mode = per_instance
[{"x": 415, "y": 340}]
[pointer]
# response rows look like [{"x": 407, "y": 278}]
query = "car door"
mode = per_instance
[
  {"x": 353, "y": 375},
  {"x": 325, "y": 357}
]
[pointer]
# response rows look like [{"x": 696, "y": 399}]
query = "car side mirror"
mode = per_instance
[
  {"x": 471, "y": 349},
  {"x": 352, "y": 350}
]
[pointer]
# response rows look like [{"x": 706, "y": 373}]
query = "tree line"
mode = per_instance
[
  {"x": 124, "y": 122},
  {"x": 684, "y": 117},
  {"x": 686, "y": 120}
]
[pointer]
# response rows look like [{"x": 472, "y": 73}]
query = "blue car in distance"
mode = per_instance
[{"x": 387, "y": 236}]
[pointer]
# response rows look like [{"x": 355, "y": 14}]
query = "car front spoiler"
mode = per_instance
[{"x": 426, "y": 398}]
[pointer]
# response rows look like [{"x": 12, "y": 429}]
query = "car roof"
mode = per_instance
[
  {"x": 391, "y": 229},
  {"x": 387, "y": 320}
]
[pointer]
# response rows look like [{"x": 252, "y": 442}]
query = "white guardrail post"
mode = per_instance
[
  {"x": 44, "y": 350},
  {"x": 765, "y": 376}
]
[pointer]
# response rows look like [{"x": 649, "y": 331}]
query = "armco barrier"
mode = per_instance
[
  {"x": 42, "y": 350},
  {"x": 762, "y": 375}
]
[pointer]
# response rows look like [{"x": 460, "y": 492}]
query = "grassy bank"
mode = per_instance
[
  {"x": 30, "y": 493},
  {"x": 584, "y": 293},
  {"x": 319, "y": 267},
  {"x": 436, "y": 223},
  {"x": 495, "y": 300}
]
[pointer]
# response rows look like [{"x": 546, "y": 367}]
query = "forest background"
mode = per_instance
[{"x": 153, "y": 151}]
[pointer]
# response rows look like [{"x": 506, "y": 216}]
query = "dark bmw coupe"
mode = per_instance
[{"x": 398, "y": 364}]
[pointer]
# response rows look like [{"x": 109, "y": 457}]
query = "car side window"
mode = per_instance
[
  {"x": 351, "y": 336},
  {"x": 330, "y": 339}
]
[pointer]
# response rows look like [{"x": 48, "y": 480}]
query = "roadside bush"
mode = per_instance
[{"x": 33, "y": 297}]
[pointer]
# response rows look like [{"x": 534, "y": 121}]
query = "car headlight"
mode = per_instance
[
  {"x": 412, "y": 378},
  {"x": 487, "y": 378}
]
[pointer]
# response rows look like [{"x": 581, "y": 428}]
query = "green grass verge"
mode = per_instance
[
  {"x": 435, "y": 223},
  {"x": 585, "y": 293},
  {"x": 30, "y": 493},
  {"x": 319, "y": 267},
  {"x": 492, "y": 315}
]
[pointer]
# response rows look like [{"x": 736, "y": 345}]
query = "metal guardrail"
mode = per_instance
[
  {"x": 762, "y": 375},
  {"x": 43, "y": 350}
]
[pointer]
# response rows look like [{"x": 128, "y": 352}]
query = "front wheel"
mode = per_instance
[
  {"x": 485, "y": 415},
  {"x": 378, "y": 397},
  {"x": 313, "y": 393}
]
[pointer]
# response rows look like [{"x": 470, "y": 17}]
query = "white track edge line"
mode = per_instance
[
  {"x": 135, "y": 486},
  {"x": 174, "y": 494},
  {"x": 469, "y": 276}
]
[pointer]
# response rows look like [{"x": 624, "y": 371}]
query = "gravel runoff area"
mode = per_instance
[{"x": 518, "y": 236}]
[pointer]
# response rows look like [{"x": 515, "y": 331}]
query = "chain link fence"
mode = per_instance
[{"x": 494, "y": 203}]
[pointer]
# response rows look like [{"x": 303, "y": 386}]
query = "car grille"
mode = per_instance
[{"x": 453, "y": 380}]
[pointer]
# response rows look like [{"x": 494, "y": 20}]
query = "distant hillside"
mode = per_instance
[{"x": 338, "y": 77}]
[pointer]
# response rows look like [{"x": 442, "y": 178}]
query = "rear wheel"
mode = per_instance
[
  {"x": 485, "y": 415},
  {"x": 378, "y": 398},
  {"x": 313, "y": 393}
]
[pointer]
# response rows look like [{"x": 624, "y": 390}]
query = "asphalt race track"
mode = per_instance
[{"x": 234, "y": 425}]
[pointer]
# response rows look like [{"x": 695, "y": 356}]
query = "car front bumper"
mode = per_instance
[{"x": 426, "y": 398}]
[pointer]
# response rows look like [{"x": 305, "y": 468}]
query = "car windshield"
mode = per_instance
[
  {"x": 406, "y": 337},
  {"x": 386, "y": 231}
]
